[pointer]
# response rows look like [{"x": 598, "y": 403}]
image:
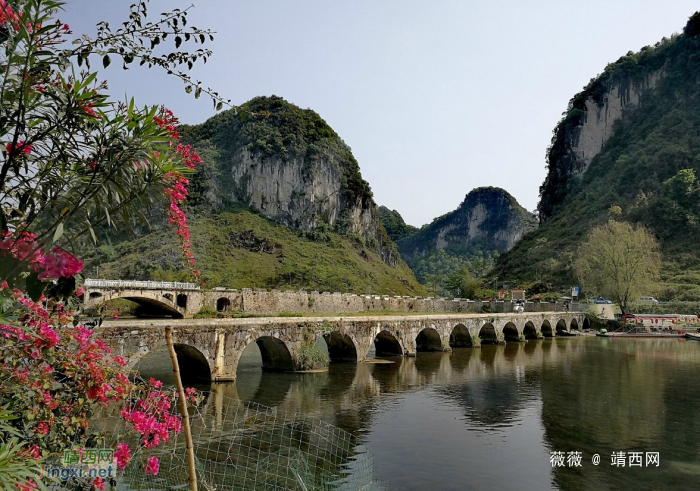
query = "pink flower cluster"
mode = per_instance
[
  {"x": 58, "y": 263},
  {"x": 151, "y": 418},
  {"x": 123, "y": 455},
  {"x": 176, "y": 185},
  {"x": 7, "y": 15},
  {"x": 70, "y": 370},
  {"x": 152, "y": 466},
  {"x": 21, "y": 148},
  {"x": 52, "y": 265}
]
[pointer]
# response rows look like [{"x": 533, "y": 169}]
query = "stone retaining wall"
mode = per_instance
[{"x": 275, "y": 301}]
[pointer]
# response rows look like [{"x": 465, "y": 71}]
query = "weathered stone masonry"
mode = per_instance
[
  {"x": 211, "y": 348},
  {"x": 187, "y": 302}
]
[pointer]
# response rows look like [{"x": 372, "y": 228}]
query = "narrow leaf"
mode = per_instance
[{"x": 58, "y": 233}]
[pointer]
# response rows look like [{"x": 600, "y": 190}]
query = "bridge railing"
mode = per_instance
[{"x": 151, "y": 285}]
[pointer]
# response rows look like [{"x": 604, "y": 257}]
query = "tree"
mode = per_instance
[
  {"x": 619, "y": 261},
  {"x": 71, "y": 159},
  {"x": 463, "y": 284}
]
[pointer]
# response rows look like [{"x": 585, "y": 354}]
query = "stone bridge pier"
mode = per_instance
[{"x": 211, "y": 348}]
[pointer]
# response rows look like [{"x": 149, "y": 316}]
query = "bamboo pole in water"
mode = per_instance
[{"x": 182, "y": 403}]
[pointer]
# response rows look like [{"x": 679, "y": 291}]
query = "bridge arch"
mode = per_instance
[
  {"x": 561, "y": 325},
  {"x": 529, "y": 331},
  {"x": 193, "y": 364},
  {"x": 460, "y": 337},
  {"x": 275, "y": 354},
  {"x": 510, "y": 332},
  {"x": 546, "y": 329},
  {"x": 386, "y": 344},
  {"x": 181, "y": 300},
  {"x": 341, "y": 347},
  {"x": 428, "y": 340},
  {"x": 223, "y": 304},
  {"x": 586, "y": 323},
  {"x": 574, "y": 324},
  {"x": 155, "y": 304},
  {"x": 487, "y": 334}
]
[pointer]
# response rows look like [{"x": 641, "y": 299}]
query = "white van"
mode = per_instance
[{"x": 648, "y": 300}]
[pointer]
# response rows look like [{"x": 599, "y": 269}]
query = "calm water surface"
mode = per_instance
[{"x": 488, "y": 418}]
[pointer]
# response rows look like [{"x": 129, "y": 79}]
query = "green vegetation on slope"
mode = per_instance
[
  {"x": 648, "y": 168},
  {"x": 394, "y": 224},
  {"x": 240, "y": 249},
  {"x": 271, "y": 127}
]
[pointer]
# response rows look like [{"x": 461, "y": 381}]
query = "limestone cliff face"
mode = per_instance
[
  {"x": 587, "y": 125},
  {"x": 290, "y": 166},
  {"x": 488, "y": 219},
  {"x": 599, "y": 117}
]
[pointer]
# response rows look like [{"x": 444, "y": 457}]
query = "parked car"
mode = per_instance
[
  {"x": 648, "y": 300},
  {"x": 601, "y": 300}
]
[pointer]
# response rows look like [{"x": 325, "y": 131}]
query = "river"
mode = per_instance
[{"x": 489, "y": 418}]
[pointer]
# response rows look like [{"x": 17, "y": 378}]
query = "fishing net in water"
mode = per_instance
[{"x": 246, "y": 446}]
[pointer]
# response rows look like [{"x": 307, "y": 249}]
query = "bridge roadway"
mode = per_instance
[{"x": 211, "y": 348}]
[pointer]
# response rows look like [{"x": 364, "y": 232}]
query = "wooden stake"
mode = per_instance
[{"x": 182, "y": 404}]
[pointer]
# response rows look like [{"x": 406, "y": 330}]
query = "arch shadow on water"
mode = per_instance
[
  {"x": 253, "y": 383},
  {"x": 510, "y": 333},
  {"x": 194, "y": 367},
  {"x": 460, "y": 337},
  {"x": 428, "y": 340},
  {"x": 529, "y": 331},
  {"x": 386, "y": 344},
  {"x": 546, "y": 329},
  {"x": 341, "y": 348},
  {"x": 487, "y": 334}
]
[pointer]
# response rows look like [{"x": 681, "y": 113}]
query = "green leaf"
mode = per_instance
[
  {"x": 178, "y": 41},
  {"x": 58, "y": 233},
  {"x": 197, "y": 92},
  {"x": 188, "y": 89},
  {"x": 106, "y": 60}
]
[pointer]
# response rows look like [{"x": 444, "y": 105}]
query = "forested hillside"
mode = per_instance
[
  {"x": 279, "y": 202},
  {"x": 630, "y": 139}
]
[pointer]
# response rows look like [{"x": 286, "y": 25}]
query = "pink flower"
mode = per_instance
[
  {"x": 98, "y": 483},
  {"x": 152, "y": 466},
  {"x": 156, "y": 383},
  {"x": 123, "y": 455},
  {"x": 49, "y": 336},
  {"x": 58, "y": 263},
  {"x": 42, "y": 428},
  {"x": 26, "y": 486},
  {"x": 20, "y": 148}
]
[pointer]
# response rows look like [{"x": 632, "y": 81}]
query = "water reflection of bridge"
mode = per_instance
[{"x": 345, "y": 394}]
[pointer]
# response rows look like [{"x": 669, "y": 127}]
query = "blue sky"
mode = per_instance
[{"x": 435, "y": 97}]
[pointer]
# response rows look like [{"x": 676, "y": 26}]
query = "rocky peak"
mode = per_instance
[
  {"x": 290, "y": 166},
  {"x": 589, "y": 122},
  {"x": 488, "y": 219}
]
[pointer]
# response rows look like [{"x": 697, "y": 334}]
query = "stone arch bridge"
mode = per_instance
[
  {"x": 165, "y": 297},
  {"x": 211, "y": 348}
]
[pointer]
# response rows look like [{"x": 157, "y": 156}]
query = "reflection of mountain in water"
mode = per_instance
[
  {"x": 491, "y": 403},
  {"x": 626, "y": 396}
]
